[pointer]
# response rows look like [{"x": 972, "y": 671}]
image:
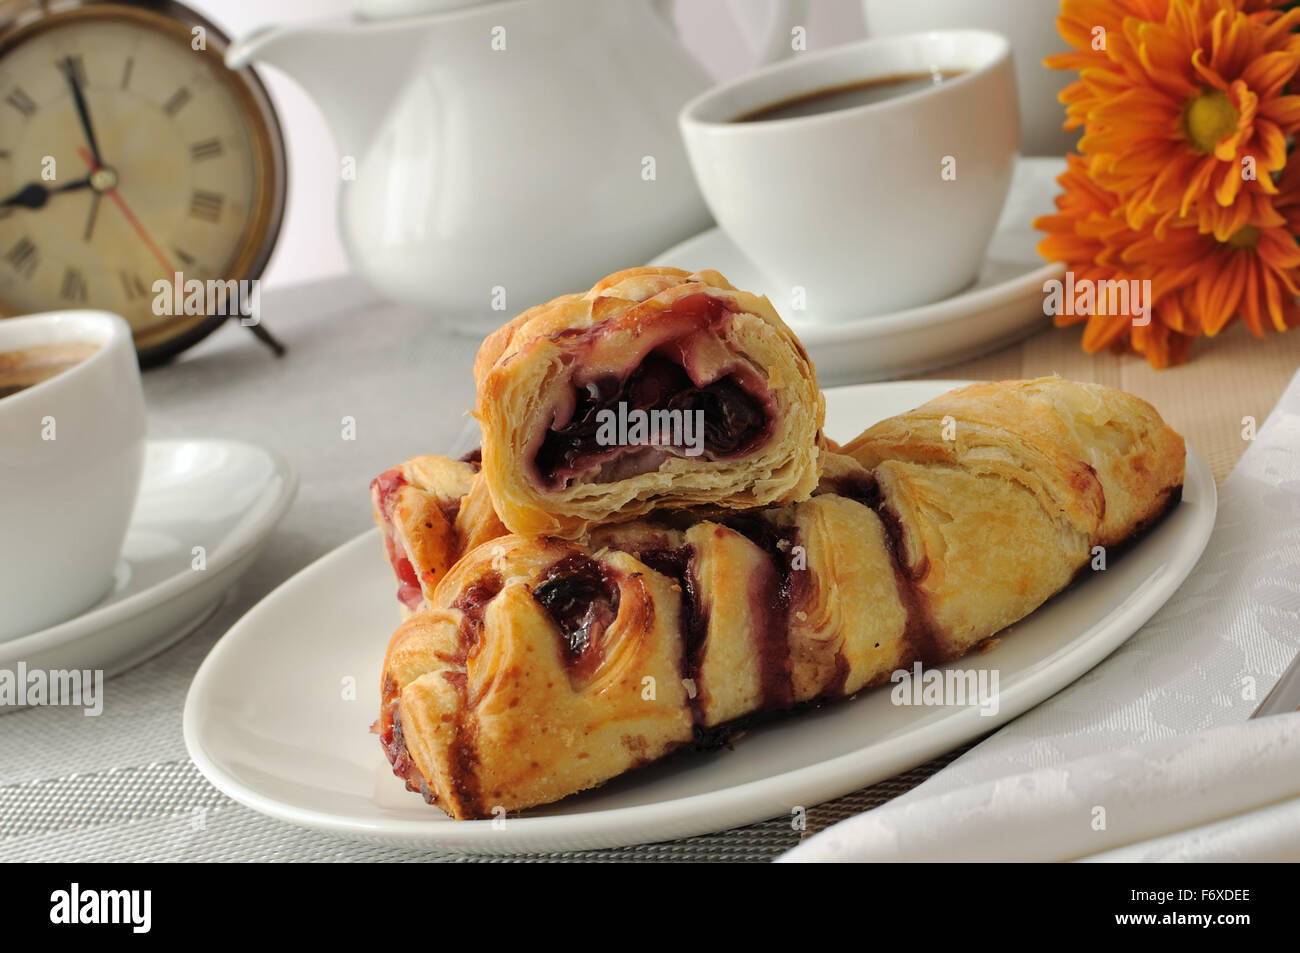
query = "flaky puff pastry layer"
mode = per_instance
[
  {"x": 1098, "y": 456},
  {"x": 959, "y": 474},
  {"x": 530, "y": 373},
  {"x": 917, "y": 560},
  {"x": 431, "y": 510}
]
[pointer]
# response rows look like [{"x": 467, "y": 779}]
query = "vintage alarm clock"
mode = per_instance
[{"x": 129, "y": 154}]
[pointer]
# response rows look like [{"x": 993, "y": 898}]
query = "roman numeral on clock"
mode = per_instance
[
  {"x": 74, "y": 285},
  {"x": 23, "y": 256},
  {"x": 206, "y": 205},
  {"x": 176, "y": 102},
  {"x": 207, "y": 149},
  {"x": 132, "y": 286},
  {"x": 19, "y": 99}
]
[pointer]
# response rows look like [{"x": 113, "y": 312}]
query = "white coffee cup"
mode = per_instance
[
  {"x": 1030, "y": 25},
  {"x": 71, "y": 452},
  {"x": 871, "y": 208}
]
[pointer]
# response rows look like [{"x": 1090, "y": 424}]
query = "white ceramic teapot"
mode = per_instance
[{"x": 506, "y": 151}]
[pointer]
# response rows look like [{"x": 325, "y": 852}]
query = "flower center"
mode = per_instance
[
  {"x": 1244, "y": 237},
  {"x": 1208, "y": 118}
]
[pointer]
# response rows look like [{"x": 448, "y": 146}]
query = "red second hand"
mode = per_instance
[{"x": 130, "y": 217}]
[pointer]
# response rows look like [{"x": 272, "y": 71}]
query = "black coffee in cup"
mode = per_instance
[
  {"x": 846, "y": 96},
  {"x": 28, "y": 366}
]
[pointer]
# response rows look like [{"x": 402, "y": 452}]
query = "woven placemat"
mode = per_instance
[{"x": 169, "y": 812}]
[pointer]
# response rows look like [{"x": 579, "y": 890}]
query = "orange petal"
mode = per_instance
[
  {"x": 1267, "y": 74},
  {"x": 1283, "y": 110}
]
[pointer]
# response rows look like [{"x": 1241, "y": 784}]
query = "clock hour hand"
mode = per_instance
[
  {"x": 69, "y": 69},
  {"x": 90, "y": 220},
  {"x": 35, "y": 194}
]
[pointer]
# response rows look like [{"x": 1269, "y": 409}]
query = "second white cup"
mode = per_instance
[
  {"x": 871, "y": 208},
  {"x": 71, "y": 453}
]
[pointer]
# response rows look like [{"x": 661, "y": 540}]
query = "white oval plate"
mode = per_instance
[
  {"x": 1004, "y": 304},
  {"x": 269, "y": 721},
  {"x": 222, "y": 495}
]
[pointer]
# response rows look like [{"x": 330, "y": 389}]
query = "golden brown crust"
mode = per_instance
[
  {"x": 464, "y": 698},
  {"x": 1100, "y": 457},
  {"x": 531, "y": 372},
  {"x": 525, "y": 679}
]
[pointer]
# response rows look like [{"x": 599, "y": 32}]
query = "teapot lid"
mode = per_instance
[{"x": 391, "y": 9}]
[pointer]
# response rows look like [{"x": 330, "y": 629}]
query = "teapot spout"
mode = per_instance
[{"x": 352, "y": 70}]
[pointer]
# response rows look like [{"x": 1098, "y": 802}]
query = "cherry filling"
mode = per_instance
[
  {"x": 387, "y": 484},
  {"x": 473, "y": 602},
  {"x": 582, "y": 599},
  {"x": 390, "y": 736},
  {"x": 386, "y": 487},
  {"x": 734, "y": 421},
  {"x": 859, "y": 487},
  {"x": 409, "y": 592},
  {"x": 772, "y": 591},
  {"x": 679, "y": 564}
]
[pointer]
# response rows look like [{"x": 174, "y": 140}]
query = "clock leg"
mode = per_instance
[{"x": 267, "y": 338}]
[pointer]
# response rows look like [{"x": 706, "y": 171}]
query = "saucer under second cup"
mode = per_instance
[{"x": 1003, "y": 305}]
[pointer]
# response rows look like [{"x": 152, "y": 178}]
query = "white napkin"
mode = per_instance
[{"x": 1149, "y": 756}]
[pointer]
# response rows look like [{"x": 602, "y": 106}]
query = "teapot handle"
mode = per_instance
[{"x": 776, "y": 45}]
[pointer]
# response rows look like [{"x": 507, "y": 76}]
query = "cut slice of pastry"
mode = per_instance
[
  {"x": 431, "y": 510},
  {"x": 543, "y": 666},
  {"x": 656, "y": 389}
]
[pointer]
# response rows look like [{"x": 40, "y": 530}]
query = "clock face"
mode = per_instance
[{"x": 183, "y": 182}]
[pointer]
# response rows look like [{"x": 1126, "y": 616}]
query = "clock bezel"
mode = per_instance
[{"x": 176, "y": 21}]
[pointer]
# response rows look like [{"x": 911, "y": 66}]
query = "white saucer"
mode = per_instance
[
  {"x": 221, "y": 495},
  {"x": 266, "y": 723},
  {"x": 1003, "y": 305}
]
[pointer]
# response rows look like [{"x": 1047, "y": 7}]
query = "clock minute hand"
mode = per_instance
[
  {"x": 83, "y": 113},
  {"x": 35, "y": 194}
]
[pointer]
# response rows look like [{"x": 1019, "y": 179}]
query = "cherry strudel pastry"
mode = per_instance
[{"x": 543, "y": 666}]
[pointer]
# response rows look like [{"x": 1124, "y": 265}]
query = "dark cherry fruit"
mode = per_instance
[
  {"x": 583, "y": 601},
  {"x": 733, "y": 419}
]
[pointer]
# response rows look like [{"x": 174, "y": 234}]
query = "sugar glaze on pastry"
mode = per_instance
[
  {"x": 653, "y": 341},
  {"x": 524, "y": 677}
]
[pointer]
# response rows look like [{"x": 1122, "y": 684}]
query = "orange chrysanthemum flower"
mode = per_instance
[
  {"x": 1198, "y": 283},
  {"x": 1252, "y": 275},
  {"x": 1185, "y": 179},
  {"x": 1089, "y": 233},
  {"x": 1186, "y": 113},
  {"x": 1090, "y": 237}
]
